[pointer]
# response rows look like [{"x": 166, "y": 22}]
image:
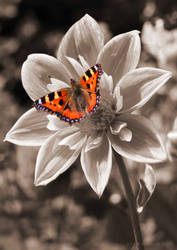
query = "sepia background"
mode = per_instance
[{"x": 67, "y": 214}]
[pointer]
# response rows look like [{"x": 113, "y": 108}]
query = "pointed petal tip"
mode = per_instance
[
  {"x": 126, "y": 46},
  {"x": 26, "y": 58},
  {"x": 83, "y": 33},
  {"x": 147, "y": 185},
  {"x": 33, "y": 56},
  {"x": 162, "y": 157},
  {"x": 136, "y": 32},
  {"x": 97, "y": 164},
  {"x": 169, "y": 74},
  {"x": 146, "y": 145},
  {"x": 145, "y": 82},
  {"x": 29, "y": 130},
  {"x": 86, "y": 15},
  {"x": 166, "y": 73},
  {"x": 5, "y": 139},
  {"x": 99, "y": 195},
  {"x": 8, "y": 138},
  {"x": 36, "y": 56},
  {"x": 36, "y": 183},
  {"x": 142, "y": 159},
  {"x": 39, "y": 183},
  {"x": 98, "y": 191},
  {"x": 172, "y": 135}
]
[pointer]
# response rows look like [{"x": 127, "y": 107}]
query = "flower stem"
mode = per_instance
[{"x": 131, "y": 202}]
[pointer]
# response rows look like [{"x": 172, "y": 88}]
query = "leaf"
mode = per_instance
[{"x": 147, "y": 186}]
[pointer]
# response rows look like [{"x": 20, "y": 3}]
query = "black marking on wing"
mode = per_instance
[
  {"x": 43, "y": 100},
  {"x": 61, "y": 102},
  {"x": 51, "y": 96},
  {"x": 84, "y": 78},
  {"x": 93, "y": 68},
  {"x": 67, "y": 107},
  {"x": 59, "y": 93},
  {"x": 88, "y": 73}
]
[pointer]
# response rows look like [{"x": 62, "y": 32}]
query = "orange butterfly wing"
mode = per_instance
[
  {"x": 57, "y": 103},
  {"x": 60, "y": 102},
  {"x": 90, "y": 81}
]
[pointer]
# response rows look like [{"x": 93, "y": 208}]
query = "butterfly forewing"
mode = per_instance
[
  {"x": 57, "y": 103},
  {"x": 90, "y": 81},
  {"x": 54, "y": 102}
]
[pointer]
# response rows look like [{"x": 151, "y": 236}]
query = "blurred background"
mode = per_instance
[{"x": 67, "y": 214}]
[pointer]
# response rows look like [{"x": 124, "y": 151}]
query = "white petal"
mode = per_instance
[
  {"x": 54, "y": 123},
  {"x": 96, "y": 164},
  {"x": 120, "y": 55},
  {"x": 117, "y": 126},
  {"x": 75, "y": 68},
  {"x": 84, "y": 38},
  {"x": 172, "y": 136},
  {"x": 145, "y": 145},
  {"x": 30, "y": 129},
  {"x": 76, "y": 138},
  {"x": 56, "y": 85},
  {"x": 149, "y": 178},
  {"x": 175, "y": 123},
  {"x": 65, "y": 135},
  {"x": 54, "y": 159},
  {"x": 147, "y": 186},
  {"x": 120, "y": 128},
  {"x": 125, "y": 134},
  {"x": 37, "y": 71},
  {"x": 138, "y": 86},
  {"x": 93, "y": 142},
  {"x": 84, "y": 63},
  {"x": 118, "y": 99},
  {"x": 106, "y": 88}
]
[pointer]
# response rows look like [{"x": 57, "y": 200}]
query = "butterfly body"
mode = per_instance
[
  {"x": 73, "y": 104},
  {"x": 79, "y": 98}
]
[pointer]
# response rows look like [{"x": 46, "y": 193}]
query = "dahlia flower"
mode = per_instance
[{"x": 123, "y": 89}]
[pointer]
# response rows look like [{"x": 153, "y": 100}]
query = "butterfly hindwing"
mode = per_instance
[
  {"x": 94, "y": 102},
  {"x": 69, "y": 116}
]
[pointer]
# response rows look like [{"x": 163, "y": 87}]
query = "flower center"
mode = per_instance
[{"x": 98, "y": 121}]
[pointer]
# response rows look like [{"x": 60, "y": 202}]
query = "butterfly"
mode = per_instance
[{"x": 74, "y": 103}]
